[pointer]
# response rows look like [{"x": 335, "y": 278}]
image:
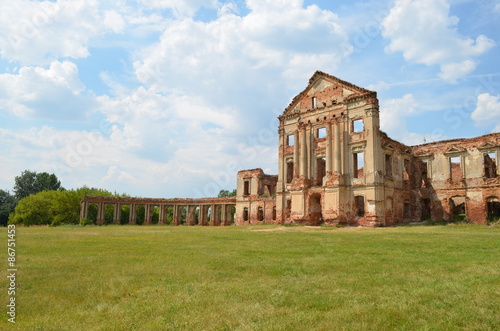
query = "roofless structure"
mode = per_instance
[{"x": 337, "y": 167}]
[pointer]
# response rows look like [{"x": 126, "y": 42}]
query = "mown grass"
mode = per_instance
[{"x": 257, "y": 278}]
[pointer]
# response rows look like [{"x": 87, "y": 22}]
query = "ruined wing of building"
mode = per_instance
[{"x": 337, "y": 167}]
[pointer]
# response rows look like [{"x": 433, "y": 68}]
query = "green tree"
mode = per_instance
[
  {"x": 30, "y": 182},
  {"x": 7, "y": 205},
  {"x": 56, "y": 207},
  {"x": 226, "y": 193},
  {"x": 35, "y": 209}
]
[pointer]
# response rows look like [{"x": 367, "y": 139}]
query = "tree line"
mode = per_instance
[{"x": 39, "y": 199}]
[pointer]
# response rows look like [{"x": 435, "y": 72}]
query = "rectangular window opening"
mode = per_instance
[
  {"x": 490, "y": 165},
  {"x": 321, "y": 170},
  {"x": 360, "y": 205},
  {"x": 406, "y": 172},
  {"x": 358, "y": 125},
  {"x": 424, "y": 175},
  {"x": 289, "y": 172},
  {"x": 426, "y": 209},
  {"x": 245, "y": 214},
  {"x": 246, "y": 188},
  {"x": 290, "y": 140},
  {"x": 388, "y": 165},
  {"x": 358, "y": 159},
  {"x": 406, "y": 210},
  {"x": 321, "y": 133},
  {"x": 260, "y": 214},
  {"x": 455, "y": 169},
  {"x": 314, "y": 102}
]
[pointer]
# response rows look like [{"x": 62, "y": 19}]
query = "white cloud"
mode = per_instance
[
  {"x": 393, "y": 112},
  {"x": 39, "y": 32},
  {"x": 487, "y": 110},
  {"x": 222, "y": 60},
  {"x": 181, "y": 8},
  {"x": 426, "y": 34},
  {"x": 54, "y": 93},
  {"x": 393, "y": 120}
]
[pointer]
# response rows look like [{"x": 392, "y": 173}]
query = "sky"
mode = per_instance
[{"x": 170, "y": 98}]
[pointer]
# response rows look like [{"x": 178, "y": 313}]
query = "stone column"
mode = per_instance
[
  {"x": 147, "y": 214},
  {"x": 84, "y": 209},
  {"x": 162, "y": 218},
  {"x": 116, "y": 213},
  {"x": 346, "y": 153},
  {"x": 202, "y": 219},
  {"x": 176, "y": 220},
  {"x": 133, "y": 215},
  {"x": 100, "y": 213},
  {"x": 281, "y": 161},
  {"x": 224, "y": 215},
  {"x": 213, "y": 213},
  {"x": 296, "y": 154},
  {"x": 303, "y": 153},
  {"x": 190, "y": 210},
  {"x": 336, "y": 148},
  {"x": 329, "y": 168}
]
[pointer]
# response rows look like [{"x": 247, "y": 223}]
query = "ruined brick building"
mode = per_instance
[{"x": 336, "y": 166}]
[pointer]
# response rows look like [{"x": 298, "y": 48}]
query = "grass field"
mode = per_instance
[{"x": 256, "y": 278}]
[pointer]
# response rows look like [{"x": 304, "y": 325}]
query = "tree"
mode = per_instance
[
  {"x": 35, "y": 209},
  {"x": 56, "y": 207},
  {"x": 30, "y": 182},
  {"x": 226, "y": 193},
  {"x": 7, "y": 205}
]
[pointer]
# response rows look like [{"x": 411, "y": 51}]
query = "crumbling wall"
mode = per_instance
[{"x": 461, "y": 177}]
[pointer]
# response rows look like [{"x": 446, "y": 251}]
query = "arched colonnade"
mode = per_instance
[{"x": 204, "y": 211}]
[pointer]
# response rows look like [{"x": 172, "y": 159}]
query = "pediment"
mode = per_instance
[
  {"x": 454, "y": 150},
  {"x": 328, "y": 90},
  {"x": 388, "y": 146},
  {"x": 423, "y": 153},
  {"x": 487, "y": 145}
]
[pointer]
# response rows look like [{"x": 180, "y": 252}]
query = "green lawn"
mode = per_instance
[{"x": 256, "y": 278}]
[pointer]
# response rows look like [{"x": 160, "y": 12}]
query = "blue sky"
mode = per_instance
[{"x": 170, "y": 98}]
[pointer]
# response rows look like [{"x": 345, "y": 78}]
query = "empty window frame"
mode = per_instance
[
  {"x": 321, "y": 133},
  {"x": 490, "y": 165},
  {"x": 260, "y": 214},
  {"x": 359, "y": 203},
  {"x": 320, "y": 170},
  {"x": 358, "y": 125},
  {"x": 406, "y": 170},
  {"x": 493, "y": 208},
  {"x": 406, "y": 210},
  {"x": 358, "y": 164},
  {"x": 245, "y": 214},
  {"x": 290, "y": 140},
  {"x": 455, "y": 169},
  {"x": 423, "y": 174},
  {"x": 314, "y": 102},
  {"x": 289, "y": 171},
  {"x": 246, "y": 187},
  {"x": 388, "y": 165},
  {"x": 274, "y": 213},
  {"x": 426, "y": 209}
]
